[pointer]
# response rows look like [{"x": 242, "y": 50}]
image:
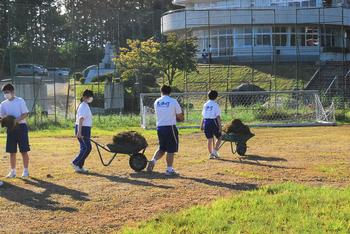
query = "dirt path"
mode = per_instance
[{"x": 57, "y": 200}]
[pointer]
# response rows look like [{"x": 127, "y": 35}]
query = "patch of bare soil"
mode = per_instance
[{"x": 56, "y": 199}]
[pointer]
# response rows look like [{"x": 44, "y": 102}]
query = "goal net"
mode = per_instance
[{"x": 261, "y": 108}]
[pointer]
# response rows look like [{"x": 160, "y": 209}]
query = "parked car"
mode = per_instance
[
  {"x": 67, "y": 69},
  {"x": 57, "y": 72},
  {"x": 30, "y": 70}
]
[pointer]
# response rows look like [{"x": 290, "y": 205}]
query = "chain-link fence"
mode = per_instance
[
  {"x": 48, "y": 49},
  {"x": 263, "y": 108}
]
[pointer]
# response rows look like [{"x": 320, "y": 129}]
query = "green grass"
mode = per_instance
[
  {"x": 285, "y": 208},
  {"x": 265, "y": 76},
  {"x": 102, "y": 126}
]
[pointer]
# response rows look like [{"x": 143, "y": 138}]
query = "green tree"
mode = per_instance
[
  {"x": 175, "y": 55},
  {"x": 138, "y": 63},
  {"x": 144, "y": 61}
]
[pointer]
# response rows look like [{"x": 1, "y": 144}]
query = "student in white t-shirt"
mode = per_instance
[
  {"x": 83, "y": 127},
  {"x": 168, "y": 112},
  {"x": 211, "y": 124},
  {"x": 16, "y": 107}
]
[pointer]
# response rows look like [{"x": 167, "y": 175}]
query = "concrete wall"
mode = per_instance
[
  {"x": 114, "y": 96},
  {"x": 180, "y": 20},
  {"x": 334, "y": 57}
]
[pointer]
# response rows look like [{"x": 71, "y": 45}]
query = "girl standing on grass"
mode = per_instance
[{"x": 83, "y": 126}]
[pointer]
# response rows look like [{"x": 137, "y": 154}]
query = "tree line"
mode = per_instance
[{"x": 71, "y": 33}]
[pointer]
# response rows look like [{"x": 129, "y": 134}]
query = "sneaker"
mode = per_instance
[
  {"x": 11, "y": 174},
  {"x": 171, "y": 172},
  {"x": 212, "y": 156},
  {"x": 25, "y": 174},
  {"x": 1, "y": 183},
  {"x": 76, "y": 168},
  {"x": 150, "y": 166},
  {"x": 85, "y": 170},
  {"x": 215, "y": 154}
]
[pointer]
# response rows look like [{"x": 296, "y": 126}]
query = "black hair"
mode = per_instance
[
  {"x": 8, "y": 87},
  {"x": 165, "y": 89},
  {"x": 212, "y": 94},
  {"x": 87, "y": 93}
]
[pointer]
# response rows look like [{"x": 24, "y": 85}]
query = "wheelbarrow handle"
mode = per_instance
[{"x": 98, "y": 146}]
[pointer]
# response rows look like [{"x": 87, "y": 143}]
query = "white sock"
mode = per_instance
[
  {"x": 13, "y": 171},
  {"x": 25, "y": 170},
  {"x": 169, "y": 168},
  {"x": 214, "y": 151}
]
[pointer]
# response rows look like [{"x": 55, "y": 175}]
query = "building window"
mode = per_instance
[
  {"x": 328, "y": 37},
  {"x": 280, "y": 35},
  {"x": 305, "y": 36},
  {"x": 243, "y": 37},
  {"x": 262, "y": 36},
  {"x": 311, "y": 36},
  {"x": 221, "y": 41}
]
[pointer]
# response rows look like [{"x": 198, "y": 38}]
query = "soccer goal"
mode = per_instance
[{"x": 261, "y": 108}]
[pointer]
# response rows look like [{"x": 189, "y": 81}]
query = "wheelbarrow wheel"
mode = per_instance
[
  {"x": 241, "y": 149},
  {"x": 138, "y": 162}
]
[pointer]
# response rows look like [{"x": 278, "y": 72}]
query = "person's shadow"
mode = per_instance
[
  {"x": 266, "y": 159},
  {"x": 255, "y": 161},
  {"x": 125, "y": 180},
  {"x": 41, "y": 200},
  {"x": 214, "y": 183}
]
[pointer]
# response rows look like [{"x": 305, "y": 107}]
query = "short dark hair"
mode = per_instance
[
  {"x": 88, "y": 93},
  {"x": 8, "y": 87},
  {"x": 212, "y": 94},
  {"x": 165, "y": 89}
]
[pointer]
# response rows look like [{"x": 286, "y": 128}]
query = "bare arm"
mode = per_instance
[
  {"x": 80, "y": 126},
  {"x": 219, "y": 123},
  {"x": 22, "y": 117},
  {"x": 202, "y": 125}
]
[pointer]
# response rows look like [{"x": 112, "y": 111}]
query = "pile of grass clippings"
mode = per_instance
[
  {"x": 237, "y": 127},
  {"x": 131, "y": 138},
  {"x": 9, "y": 122}
]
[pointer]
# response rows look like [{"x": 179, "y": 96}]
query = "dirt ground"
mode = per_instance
[{"x": 56, "y": 199}]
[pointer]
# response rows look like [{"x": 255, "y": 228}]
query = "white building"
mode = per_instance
[{"x": 264, "y": 30}]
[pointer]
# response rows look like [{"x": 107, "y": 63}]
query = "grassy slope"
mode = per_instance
[
  {"x": 281, "y": 208},
  {"x": 263, "y": 77}
]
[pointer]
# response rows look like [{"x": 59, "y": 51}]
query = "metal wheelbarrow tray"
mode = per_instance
[
  {"x": 239, "y": 140},
  {"x": 137, "y": 161}
]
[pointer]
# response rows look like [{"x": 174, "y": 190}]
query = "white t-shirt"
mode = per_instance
[
  {"x": 85, "y": 112},
  {"x": 166, "y": 110},
  {"x": 211, "y": 110},
  {"x": 16, "y": 108}
]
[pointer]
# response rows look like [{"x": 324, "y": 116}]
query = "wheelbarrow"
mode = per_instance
[
  {"x": 239, "y": 140},
  {"x": 137, "y": 161}
]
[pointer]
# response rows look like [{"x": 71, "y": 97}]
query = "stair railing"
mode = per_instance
[
  {"x": 313, "y": 77},
  {"x": 347, "y": 74},
  {"x": 331, "y": 84}
]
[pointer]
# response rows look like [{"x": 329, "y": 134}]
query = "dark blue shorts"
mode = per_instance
[
  {"x": 168, "y": 137},
  {"x": 211, "y": 128},
  {"x": 18, "y": 136}
]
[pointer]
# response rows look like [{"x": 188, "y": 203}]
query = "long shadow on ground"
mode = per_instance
[
  {"x": 261, "y": 158},
  {"x": 125, "y": 180},
  {"x": 214, "y": 183},
  {"x": 41, "y": 200},
  {"x": 256, "y": 163}
]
